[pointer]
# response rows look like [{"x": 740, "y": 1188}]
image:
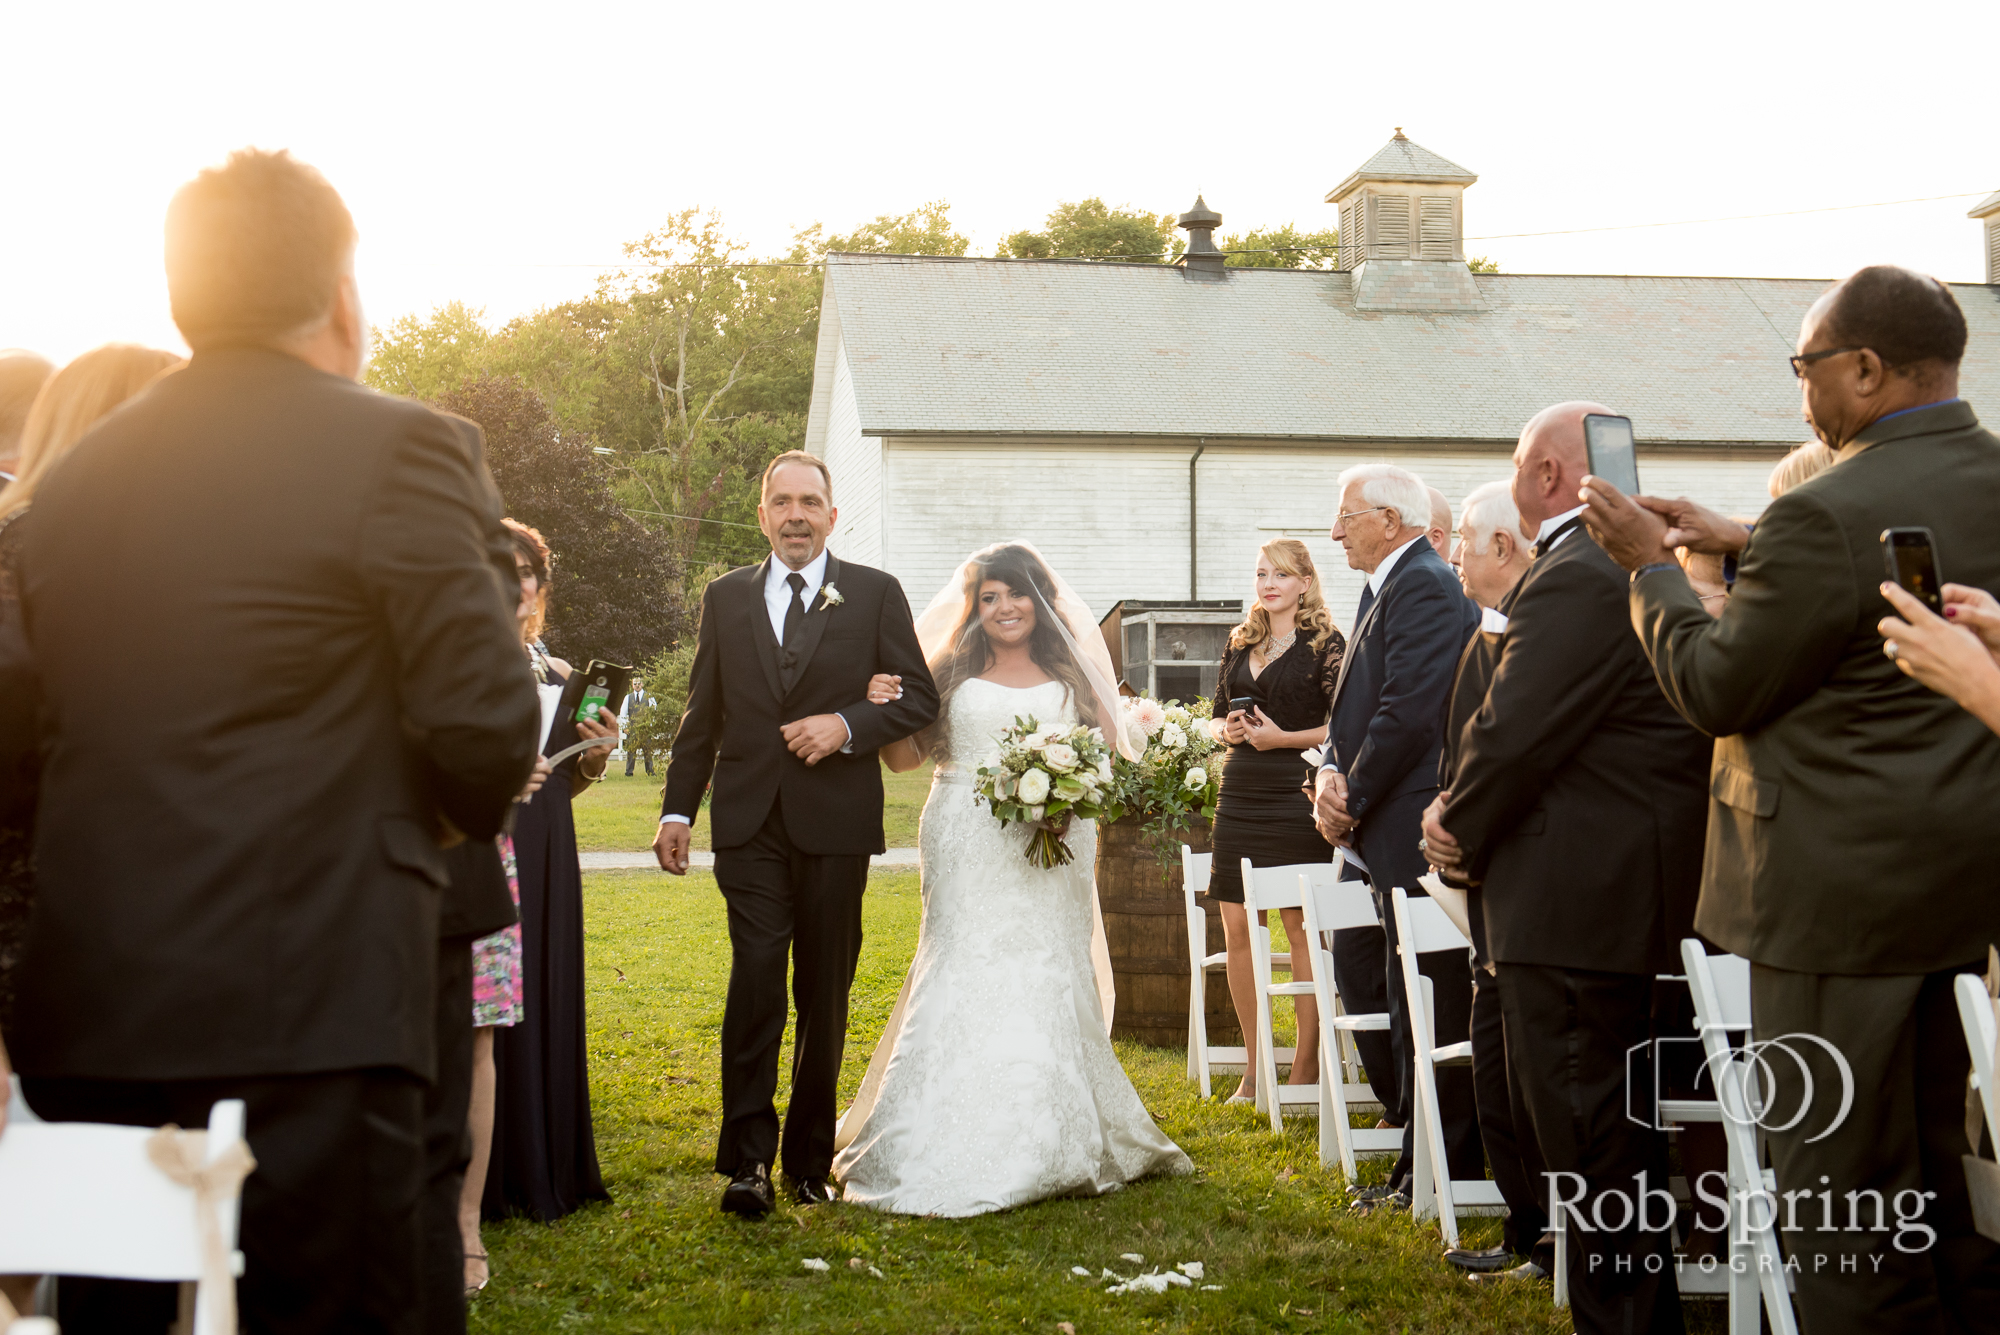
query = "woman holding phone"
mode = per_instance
[
  {"x": 1272, "y": 695},
  {"x": 543, "y": 1161}
]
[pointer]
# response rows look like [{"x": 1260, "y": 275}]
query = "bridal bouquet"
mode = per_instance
[{"x": 1043, "y": 775}]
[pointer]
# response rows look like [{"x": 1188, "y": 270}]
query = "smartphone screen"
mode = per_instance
[
  {"x": 595, "y": 693},
  {"x": 1911, "y": 554},
  {"x": 1613, "y": 454}
]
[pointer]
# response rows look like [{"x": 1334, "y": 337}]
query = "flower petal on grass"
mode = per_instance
[
  {"x": 1079, "y": 1270},
  {"x": 1133, "y": 1257},
  {"x": 1192, "y": 1269},
  {"x": 814, "y": 1264}
]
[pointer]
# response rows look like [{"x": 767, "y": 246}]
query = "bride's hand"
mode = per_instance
[
  {"x": 883, "y": 688},
  {"x": 1057, "y": 825}
]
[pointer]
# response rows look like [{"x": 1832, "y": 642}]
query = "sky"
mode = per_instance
[{"x": 500, "y": 154}]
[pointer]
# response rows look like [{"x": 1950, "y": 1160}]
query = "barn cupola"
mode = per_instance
[
  {"x": 1402, "y": 230},
  {"x": 1202, "y": 257},
  {"x": 1989, "y": 209}
]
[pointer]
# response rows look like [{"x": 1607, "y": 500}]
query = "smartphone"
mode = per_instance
[
  {"x": 1242, "y": 702},
  {"x": 1911, "y": 555},
  {"x": 1612, "y": 453},
  {"x": 598, "y": 685}
]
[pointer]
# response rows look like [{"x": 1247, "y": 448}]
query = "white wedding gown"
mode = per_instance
[{"x": 995, "y": 1084}]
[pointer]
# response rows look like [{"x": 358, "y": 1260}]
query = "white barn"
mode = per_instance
[{"x": 1149, "y": 426}]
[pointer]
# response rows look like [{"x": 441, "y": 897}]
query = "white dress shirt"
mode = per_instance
[
  {"x": 1554, "y": 522},
  {"x": 1389, "y": 563},
  {"x": 777, "y": 600}
]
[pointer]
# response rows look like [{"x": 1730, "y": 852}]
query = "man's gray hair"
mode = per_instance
[
  {"x": 1489, "y": 509},
  {"x": 1393, "y": 488}
]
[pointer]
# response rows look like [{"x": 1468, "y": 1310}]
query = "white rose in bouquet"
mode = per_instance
[
  {"x": 1178, "y": 716},
  {"x": 1148, "y": 715},
  {"x": 1104, "y": 769},
  {"x": 1060, "y": 756},
  {"x": 1172, "y": 737},
  {"x": 1035, "y": 788},
  {"x": 1197, "y": 779}
]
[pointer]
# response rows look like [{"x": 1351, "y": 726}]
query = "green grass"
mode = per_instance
[
  {"x": 620, "y": 815},
  {"x": 1268, "y": 1223}
]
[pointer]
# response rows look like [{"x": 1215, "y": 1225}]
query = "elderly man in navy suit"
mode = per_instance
[{"x": 1381, "y": 771}]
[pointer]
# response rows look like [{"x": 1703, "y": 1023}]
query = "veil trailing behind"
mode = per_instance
[{"x": 995, "y": 1083}]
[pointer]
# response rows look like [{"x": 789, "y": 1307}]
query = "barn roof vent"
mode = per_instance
[
  {"x": 1202, "y": 257},
  {"x": 1402, "y": 230},
  {"x": 1989, "y": 209}
]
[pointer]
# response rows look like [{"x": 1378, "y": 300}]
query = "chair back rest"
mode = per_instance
[
  {"x": 1720, "y": 985},
  {"x": 1334, "y": 905},
  {"x": 1975, "y": 1015},
  {"x": 84, "y": 1199},
  {"x": 1430, "y": 927},
  {"x": 1278, "y": 887},
  {"x": 1195, "y": 871}
]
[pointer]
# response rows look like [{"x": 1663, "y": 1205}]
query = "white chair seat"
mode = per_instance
[
  {"x": 1453, "y": 1054},
  {"x": 1331, "y": 904},
  {"x": 1354, "y": 1024}
]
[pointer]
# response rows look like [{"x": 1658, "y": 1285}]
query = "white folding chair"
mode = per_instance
[
  {"x": 85, "y": 1199},
  {"x": 1975, "y": 1014},
  {"x": 1423, "y": 927},
  {"x": 1202, "y": 1059},
  {"x": 1267, "y": 890},
  {"x": 1329, "y": 907}
]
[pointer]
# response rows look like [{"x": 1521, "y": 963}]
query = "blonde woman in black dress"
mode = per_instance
[{"x": 1285, "y": 658}]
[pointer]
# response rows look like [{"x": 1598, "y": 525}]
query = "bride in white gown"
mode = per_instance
[{"x": 995, "y": 1083}]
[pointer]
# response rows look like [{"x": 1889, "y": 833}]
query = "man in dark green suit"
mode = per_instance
[{"x": 1848, "y": 852}]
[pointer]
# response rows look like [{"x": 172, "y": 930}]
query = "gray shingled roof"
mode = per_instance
[
  {"x": 1403, "y": 160},
  {"x": 940, "y": 346}
]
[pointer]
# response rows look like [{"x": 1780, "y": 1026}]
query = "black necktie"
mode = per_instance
[
  {"x": 795, "y": 610},
  {"x": 1367, "y": 601}
]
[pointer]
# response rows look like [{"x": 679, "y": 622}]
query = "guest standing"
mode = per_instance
[
  {"x": 1380, "y": 771},
  {"x": 1284, "y": 658},
  {"x": 277, "y": 664},
  {"x": 1850, "y": 808},
  {"x": 69, "y": 404},
  {"x": 544, "y": 1157}
]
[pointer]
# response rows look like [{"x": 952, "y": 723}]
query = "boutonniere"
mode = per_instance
[{"x": 829, "y": 597}]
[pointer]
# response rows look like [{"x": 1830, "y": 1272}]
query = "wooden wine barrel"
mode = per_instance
[{"x": 1145, "y": 925}]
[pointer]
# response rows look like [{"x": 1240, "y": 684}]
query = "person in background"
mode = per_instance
[
  {"x": 1379, "y": 773},
  {"x": 1439, "y": 532},
  {"x": 1284, "y": 658},
  {"x": 544, "y": 1157},
  {"x": 1956, "y": 655},
  {"x": 68, "y": 404},
  {"x": 1803, "y": 464},
  {"x": 22, "y": 374},
  {"x": 636, "y": 700},
  {"x": 1850, "y": 810},
  {"x": 1492, "y": 554},
  {"x": 1711, "y": 573},
  {"x": 1576, "y": 813},
  {"x": 278, "y": 671}
]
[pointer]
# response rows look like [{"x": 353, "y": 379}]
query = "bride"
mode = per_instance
[{"x": 995, "y": 1083}]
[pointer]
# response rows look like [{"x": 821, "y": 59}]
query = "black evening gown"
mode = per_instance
[
  {"x": 544, "y": 1154},
  {"x": 1262, "y": 812},
  {"x": 17, "y": 807}
]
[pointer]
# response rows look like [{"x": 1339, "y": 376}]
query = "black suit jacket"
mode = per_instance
[
  {"x": 1577, "y": 792},
  {"x": 1849, "y": 805},
  {"x": 1388, "y": 705},
  {"x": 1468, "y": 693},
  {"x": 743, "y": 688},
  {"x": 267, "y": 612}
]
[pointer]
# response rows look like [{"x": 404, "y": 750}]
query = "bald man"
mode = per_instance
[
  {"x": 1440, "y": 529},
  {"x": 1576, "y": 809}
]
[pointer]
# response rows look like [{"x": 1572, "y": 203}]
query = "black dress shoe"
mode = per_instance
[
  {"x": 1525, "y": 1270},
  {"x": 1483, "y": 1261},
  {"x": 1391, "y": 1199},
  {"x": 812, "y": 1191},
  {"x": 748, "y": 1194}
]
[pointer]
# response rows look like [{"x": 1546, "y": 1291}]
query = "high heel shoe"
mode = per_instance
[{"x": 472, "y": 1290}]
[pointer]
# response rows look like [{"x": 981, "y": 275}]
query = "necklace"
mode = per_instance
[{"x": 1274, "y": 649}]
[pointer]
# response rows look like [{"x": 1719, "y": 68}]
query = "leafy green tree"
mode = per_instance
[
  {"x": 1283, "y": 248},
  {"x": 424, "y": 358},
  {"x": 616, "y": 590},
  {"x": 927, "y": 231},
  {"x": 1089, "y": 229},
  {"x": 1480, "y": 264}
]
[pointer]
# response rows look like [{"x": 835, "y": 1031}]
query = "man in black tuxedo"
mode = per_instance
[
  {"x": 1492, "y": 554},
  {"x": 778, "y": 714},
  {"x": 1380, "y": 772},
  {"x": 270, "y": 613},
  {"x": 1577, "y": 807}
]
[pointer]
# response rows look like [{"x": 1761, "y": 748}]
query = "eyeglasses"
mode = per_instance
[
  {"x": 1800, "y": 363},
  {"x": 1344, "y": 518}
]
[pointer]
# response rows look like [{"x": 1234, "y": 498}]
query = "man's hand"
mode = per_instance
[
  {"x": 814, "y": 739},
  {"x": 1695, "y": 527},
  {"x": 1330, "y": 808},
  {"x": 1630, "y": 534},
  {"x": 670, "y": 846},
  {"x": 1440, "y": 849}
]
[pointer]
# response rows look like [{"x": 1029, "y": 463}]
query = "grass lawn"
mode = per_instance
[
  {"x": 1270, "y": 1226},
  {"x": 620, "y": 815}
]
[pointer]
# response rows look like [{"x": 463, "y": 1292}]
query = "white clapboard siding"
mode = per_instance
[{"x": 855, "y": 461}]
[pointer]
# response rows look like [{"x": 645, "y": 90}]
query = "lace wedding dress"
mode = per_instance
[{"x": 994, "y": 1084}]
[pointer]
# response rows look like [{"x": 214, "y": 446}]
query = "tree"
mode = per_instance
[
  {"x": 424, "y": 358},
  {"x": 1480, "y": 264},
  {"x": 927, "y": 231},
  {"x": 616, "y": 588},
  {"x": 1089, "y": 229},
  {"x": 1283, "y": 248}
]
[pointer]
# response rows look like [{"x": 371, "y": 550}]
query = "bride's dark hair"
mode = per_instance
[{"x": 968, "y": 654}]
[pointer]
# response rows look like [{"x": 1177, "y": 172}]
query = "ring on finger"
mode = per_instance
[{"x": 1889, "y": 650}]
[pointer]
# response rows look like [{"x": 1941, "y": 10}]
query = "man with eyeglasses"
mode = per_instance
[{"x": 1848, "y": 850}]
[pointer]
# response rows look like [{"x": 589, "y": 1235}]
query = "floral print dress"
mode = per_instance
[{"x": 496, "y": 960}]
